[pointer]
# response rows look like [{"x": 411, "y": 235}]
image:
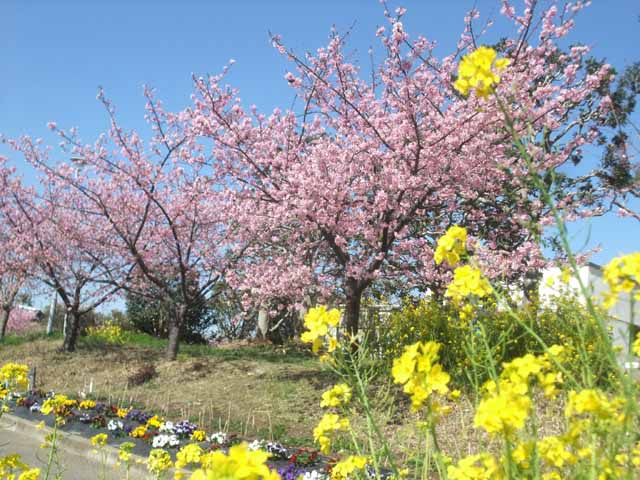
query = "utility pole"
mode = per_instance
[
  {"x": 263, "y": 321},
  {"x": 52, "y": 312}
]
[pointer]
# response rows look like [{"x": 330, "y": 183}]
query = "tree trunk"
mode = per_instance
[
  {"x": 532, "y": 286},
  {"x": 4, "y": 321},
  {"x": 71, "y": 333},
  {"x": 174, "y": 332},
  {"x": 352, "y": 307}
]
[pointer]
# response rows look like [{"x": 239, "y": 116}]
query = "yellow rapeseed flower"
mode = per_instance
[
  {"x": 99, "y": 440},
  {"x": 317, "y": 321},
  {"x": 468, "y": 280},
  {"x": 595, "y": 403},
  {"x": 522, "y": 454},
  {"x": 15, "y": 375},
  {"x": 11, "y": 465},
  {"x": 124, "y": 452},
  {"x": 347, "y": 467},
  {"x": 475, "y": 467},
  {"x": 31, "y": 474},
  {"x": 451, "y": 246},
  {"x": 523, "y": 370},
  {"x": 417, "y": 369},
  {"x": 554, "y": 452},
  {"x": 622, "y": 274},
  {"x": 504, "y": 411},
  {"x": 338, "y": 395},
  {"x": 240, "y": 463},
  {"x": 189, "y": 454},
  {"x": 478, "y": 70},
  {"x": 328, "y": 424},
  {"x": 159, "y": 461}
]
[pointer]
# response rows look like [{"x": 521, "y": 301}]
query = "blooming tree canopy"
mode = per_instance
[
  {"x": 15, "y": 262},
  {"x": 353, "y": 188},
  {"x": 64, "y": 244},
  {"x": 347, "y": 192},
  {"x": 148, "y": 207}
]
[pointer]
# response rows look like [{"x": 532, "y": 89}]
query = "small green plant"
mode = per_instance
[{"x": 125, "y": 457}]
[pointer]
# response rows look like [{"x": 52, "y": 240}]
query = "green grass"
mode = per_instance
[
  {"x": 20, "y": 339},
  {"x": 266, "y": 353}
]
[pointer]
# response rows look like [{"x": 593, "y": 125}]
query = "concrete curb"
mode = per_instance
[{"x": 81, "y": 446}]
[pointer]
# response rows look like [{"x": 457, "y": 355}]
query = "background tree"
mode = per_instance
[
  {"x": 65, "y": 244},
  {"x": 159, "y": 212},
  {"x": 150, "y": 313},
  {"x": 231, "y": 320},
  {"x": 15, "y": 263},
  {"x": 10, "y": 284},
  {"x": 615, "y": 183}
]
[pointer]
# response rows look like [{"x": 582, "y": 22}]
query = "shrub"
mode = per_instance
[
  {"x": 147, "y": 314},
  {"x": 142, "y": 375},
  {"x": 561, "y": 320},
  {"x": 596, "y": 437},
  {"x": 108, "y": 332}
]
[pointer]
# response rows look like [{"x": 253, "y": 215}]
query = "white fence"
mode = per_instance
[{"x": 624, "y": 316}]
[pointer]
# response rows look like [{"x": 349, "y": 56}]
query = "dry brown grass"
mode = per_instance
[{"x": 245, "y": 395}]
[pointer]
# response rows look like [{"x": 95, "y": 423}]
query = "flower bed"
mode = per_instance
[{"x": 149, "y": 432}]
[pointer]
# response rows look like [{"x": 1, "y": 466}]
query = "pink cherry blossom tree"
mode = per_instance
[
  {"x": 354, "y": 187},
  {"x": 14, "y": 263},
  {"x": 348, "y": 191},
  {"x": 159, "y": 215},
  {"x": 65, "y": 244},
  {"x": 22, "y": 319}
]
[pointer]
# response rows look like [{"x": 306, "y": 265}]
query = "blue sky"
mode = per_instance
[{"x": 56, "y": 54}]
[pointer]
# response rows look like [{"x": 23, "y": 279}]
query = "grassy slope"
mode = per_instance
[{"x": 253, "y": 390}]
